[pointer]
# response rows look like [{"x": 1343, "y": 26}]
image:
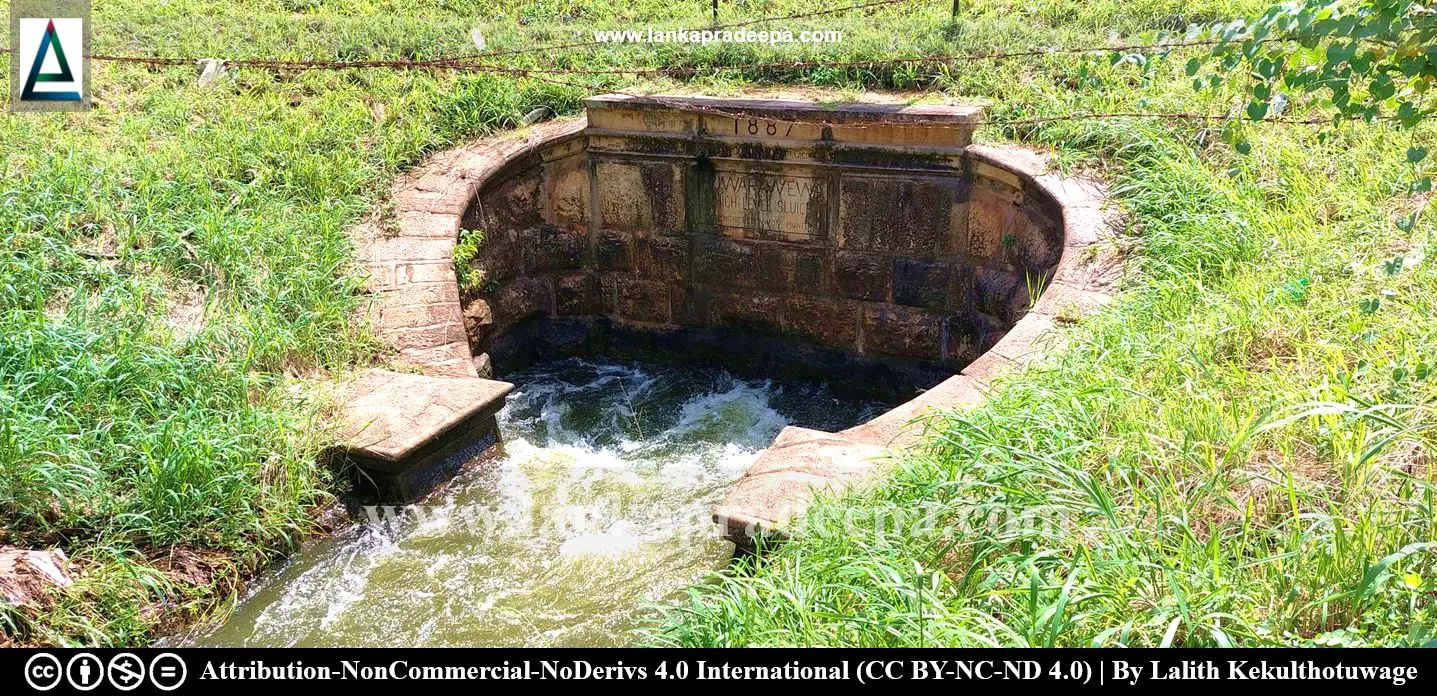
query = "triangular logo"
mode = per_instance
[{"x": 47, "y": 43}]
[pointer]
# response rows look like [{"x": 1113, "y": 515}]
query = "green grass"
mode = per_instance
[
  {"x": 175, "y": 258},
  {"x": 1195, "y": 504}
]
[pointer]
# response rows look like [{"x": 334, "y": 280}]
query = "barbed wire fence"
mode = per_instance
[{"x": 482, "y": 62}]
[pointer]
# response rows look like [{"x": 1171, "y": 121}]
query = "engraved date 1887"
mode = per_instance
[{"x": 754, "y": 126}]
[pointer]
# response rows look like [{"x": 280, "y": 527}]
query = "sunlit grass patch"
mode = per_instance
[{"x": 1239, "y": 448}]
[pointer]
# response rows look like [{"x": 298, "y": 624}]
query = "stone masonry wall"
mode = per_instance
[{"x": 872, "y": 233}]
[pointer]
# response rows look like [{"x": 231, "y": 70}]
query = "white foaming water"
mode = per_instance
[{"x": 601, "y": 502}]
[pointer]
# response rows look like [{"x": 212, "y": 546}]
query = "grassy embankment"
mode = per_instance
[{"x": 175, "y": 256}]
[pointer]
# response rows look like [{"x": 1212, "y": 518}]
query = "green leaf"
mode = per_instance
[
  {"x": 1338, "y": 52},
  {"x": 1256, "y": 110},
  {"x": 1220, "y": 637},
  {"x": 1266, "y": 67},
  {"x": 1416, "y": 154},
  {"x": 1408, "y": 114},
  {"x": 1382, "y": 87},
  {"x": 1407, "y": 223},
  {"x": 1243, "y": 147},
  {"x": 1369, "y": 305},
  {"x": 1378, "y": 572},
  {"x": 1194, "y": 65}
]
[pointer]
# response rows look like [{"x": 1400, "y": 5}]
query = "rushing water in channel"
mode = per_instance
[{"x": 601, "y": 503}]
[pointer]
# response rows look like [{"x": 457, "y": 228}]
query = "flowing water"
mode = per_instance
[{"x": 601, "y": 504}]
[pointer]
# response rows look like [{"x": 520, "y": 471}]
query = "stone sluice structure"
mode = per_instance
[{"x": 871, "y": 245}]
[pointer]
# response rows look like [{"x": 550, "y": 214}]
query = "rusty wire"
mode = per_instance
[
  {"x": 473, "y": 63},
  {"x": 680, "y": 103},
  {"x": 468, "y": 63},
  {"x": 450, "y": 62}
]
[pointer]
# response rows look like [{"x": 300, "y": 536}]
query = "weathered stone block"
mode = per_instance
[
  {"x": 691, "y": 305},
  {"x": 514, "y": 204},
  {"x": 903, "y": 332},
  {"x": 519, "y": 300},
  {"x": 425, "y": 224},
  {"x": 411, "y": 432},
  {"x": 1000, "y": 292},
  {"x": 426, "y": 294},
  {"x": 990, "y": 226},
  {"x": 1038, "y": 237},
  {"x": 862, "y": 276},
  {"x": 983, "y": 170},
  {"x": 483, "y": 366},
  {"x": 643, "y": 197},
  {"x": 578, "y": 294},
  {"x": 662, "y": 258},
  {"x": 547, "y": 248},
  {"x": 963, "y": 335},
  {"x": 1010, "y": 192},
  {"x": 735, "y": 264},
  {"x": 416, "y": 248},
  {"x": 991, "y": 329},
  {"x": 404, "y": 275},
  {"x": 615, "y": 251},
  {"x": 921, "y": 283},
  {"x": 748, "y": 311},
  {"x": 804, "y": 270},
  {"x": 665, "y": 185},
  {"x": 396, "y": 314},
  {"x": 822, "y": 321},
  {"x": 501, "y": 255},
  {"x": 406, "y": 337},
  {"x": 787, "y": 204},
  {"x": 639, "y": 300},
  {"x": 568, "y": 184},
  {"x": 907, "y": 216},
  {"x": 776, "y": 489}
]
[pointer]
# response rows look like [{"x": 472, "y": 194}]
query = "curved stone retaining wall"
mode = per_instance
[
  {"x": 802, "y": 464},
  {"x": 872, "y": 245},
  {"x": 870, "y": 239}
]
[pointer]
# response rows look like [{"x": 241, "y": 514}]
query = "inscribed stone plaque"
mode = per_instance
[{"x": 790, "y": 205}]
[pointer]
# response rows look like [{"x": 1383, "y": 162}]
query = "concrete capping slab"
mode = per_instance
[
  {"x": 399, "y": 427},
  {"x": 391, "y": 416},
  {"x": 800, "y": 110},
  {"x": 800, "y": 465},
  {"x": 772, "y": 120}
]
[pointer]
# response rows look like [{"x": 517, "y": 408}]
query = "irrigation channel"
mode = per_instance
[{"x": 600, "y": 506}]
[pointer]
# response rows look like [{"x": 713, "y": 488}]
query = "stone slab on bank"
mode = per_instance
[
  {"x": 800, "y": 465},
  {"x": 405, "y": 432}
]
